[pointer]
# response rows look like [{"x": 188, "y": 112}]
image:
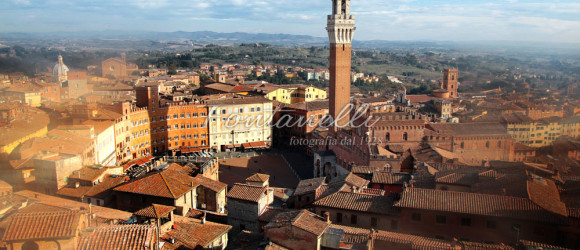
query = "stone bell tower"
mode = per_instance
[{"x": 340, "y": 32}]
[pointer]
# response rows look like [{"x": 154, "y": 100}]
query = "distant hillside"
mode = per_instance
[{"x": 197, "y": 36}]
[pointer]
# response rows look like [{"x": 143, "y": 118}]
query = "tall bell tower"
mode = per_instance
[{"x": 340, "y": 32}]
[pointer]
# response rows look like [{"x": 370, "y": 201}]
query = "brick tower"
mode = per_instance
[
  {"x": 340, "y": 32},
  {"x": 450, "y": 81}
]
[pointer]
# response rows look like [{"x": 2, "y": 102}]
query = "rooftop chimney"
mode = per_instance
[
  {"x": 327, "y": 216},
  {"x": 203, "y": 217}
]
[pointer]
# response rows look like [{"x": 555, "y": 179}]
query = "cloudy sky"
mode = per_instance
[{"x": 464, "y": 20}]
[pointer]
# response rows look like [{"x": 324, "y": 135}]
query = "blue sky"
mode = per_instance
[{"x": 467, "y": 20}]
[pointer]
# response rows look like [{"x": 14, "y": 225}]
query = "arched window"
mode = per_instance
[
  {"x": 462, "y": 144},
  {"x": 405, "y": 136},
  {"x": 388, "y": 137},
  {"x": 487, "y": 144},
  {"x": 499, "y": 144}
]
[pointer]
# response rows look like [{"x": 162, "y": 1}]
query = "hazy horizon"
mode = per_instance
[{"x": 398, "y": 20}]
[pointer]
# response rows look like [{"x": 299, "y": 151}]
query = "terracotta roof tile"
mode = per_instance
[
  {"x": 30, "y": 226},
  {"x": 461, "y": 129},
  {"x": 351, "y": 179},
  {"x": 390, "y": 178},
  {"x": 258, "y": 178},
  {"x": 373, "y": 191},
  {"x": 192, "y": 233},
  {"x": 357, "y": 202},
  {"x": 72, "y": 192},
  {"x": 537, "y": 245},
  {"x": 309, "y": 106},
  {"x": 98, "y": 211},
  {"x": 124, "y": 237},
  {"x": 271, "y": 212},
  {"x": 304, "y": 220},
  {"x": 232, "y": 101},
  {"x": 477, "y": 204},
  {"x": 88, "y": 173},
  {"x": 211, "y": 184},
  {"x": 246, "y": 192},
  {"x": 413, "y": 241},
  {"x": 309, "y": 185},
  {"x": 168, "y": 184},
  {"x": 155, "y": 211},
  {"x": 105, "y": 188}
]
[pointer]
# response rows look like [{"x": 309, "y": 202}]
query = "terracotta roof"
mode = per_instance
[
  {"x": 258, "y": 178},
  {"x": 419, "y": 98},
  {"x": 4, "y": 186},
  {"x": 456, "y": 179},
  {"x": 537, "y": 245},
  {"x": 88, "y": 174},
  {"x": 73, "y": 192},
  {"x": 168, "y": 184},
  {"x": 36, "y": 207},
  {"x": 358, "y": 202},
  {"x": 476, "y": 204},
  {"x": 105, "y": 188},
  {"x": 192, "y": 233},
  {"x": 124, "y": 237},
  {"x": 468, "y": 245},
  {"x": 363, "y": 169},
  {"x": 100, "y": 212},
  {"x": 209, "y": 183},
  {"x": 48, "y": 225},
  {"x": 226, "y": 87},
  {"x": 57, "y": 141},
  {"x": 155, "y": 211},
  {"x": 362, "y": 236},
  {"x": 304, "y": 220},
  {"x": 468, "y": 129},
  {"x": 309, "y": 185},
  {"x": 351, "y": 179},
  {"x": 271, "y": 212},
  {"x": 138, "y": 162},
  {"x": 309, "y": 106},
  {"x": 390, "y": 178},
  {"x": 27, "y": 122},
  {"x": 413, "y": 241},
  {"x": 246, "y": 192},
  {"x": 373, "y": 191},
  {"x": 522, "y": 147},
  {"x": 239, "y": 100},
  {"x": 545, "y": 193}
]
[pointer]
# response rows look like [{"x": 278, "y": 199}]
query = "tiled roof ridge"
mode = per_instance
[
  {"x": 34, "y": 214},
  {"x": 121, "y": 227},
  {"x": 167, "y": 185},
  {"x": 474, "y": 194}
]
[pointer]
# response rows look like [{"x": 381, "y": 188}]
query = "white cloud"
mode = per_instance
[{"x": 22, "y": 2}]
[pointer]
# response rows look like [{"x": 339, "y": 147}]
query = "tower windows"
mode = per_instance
[
  {"x": 388, "y": 137},
  {"x": 405, "y": 136}
]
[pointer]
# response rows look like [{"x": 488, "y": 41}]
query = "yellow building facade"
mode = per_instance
[
  {"x": 542, "y": 133},
  {"x": 291, "y": 94},
  {"x": 237, "y": 122}
]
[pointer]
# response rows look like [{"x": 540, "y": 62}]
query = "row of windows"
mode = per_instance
[
  {"x": 237, "y": 110},
  {"x": 353, "y": 219},
  {"x": 442, "y": 219},
  {"x": 168, "y": 117}
]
